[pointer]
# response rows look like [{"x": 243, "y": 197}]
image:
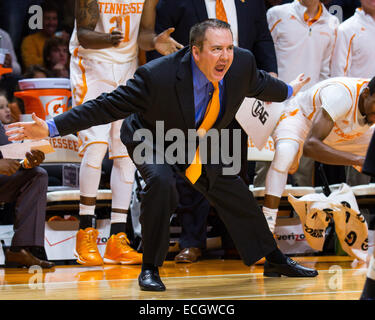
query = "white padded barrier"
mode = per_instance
[
  {"x": 66, "y": 150},
  {"x": 360, "y": 190},
  {"x": 289, "y": 189},
  {"x": 65, "y": 198},
  {"x": 364, "y": 190}
]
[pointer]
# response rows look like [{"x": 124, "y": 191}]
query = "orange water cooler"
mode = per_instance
[{"x": 47, "y": 97}]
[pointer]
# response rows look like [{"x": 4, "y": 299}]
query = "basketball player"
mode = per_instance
[
  {"x": 353, "y": 57},
  {"x": 339, "y": 112},
  {"x": 104, "y": 55}
]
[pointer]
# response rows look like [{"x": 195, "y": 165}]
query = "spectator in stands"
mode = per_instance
[
  {"x": 354, "y": 57},
  {"x": 32, "y": 45},
  {"x": 5, "y": 115},
  {"x": 250, "y": 31},
  {"x": 36, "y": 71},
  {"x": 26, "y": 185},
  {"x": 56, "y": 57},
  {"x": 14, "y": 17},
  {"x": 302, "y": 31},
  {"x": 11, "y": 59},
  {"x": 9, "y": 80}
]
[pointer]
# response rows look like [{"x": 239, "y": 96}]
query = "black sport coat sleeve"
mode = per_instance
[
  {"x": 162, "y": 90},
  {"x": 369, "y": 165},
  {"x": 135, "y": 97}
]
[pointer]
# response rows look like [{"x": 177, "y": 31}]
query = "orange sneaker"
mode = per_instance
[
  {"x": 86, "y": 250},
  {"x": 118, "y": 251}
]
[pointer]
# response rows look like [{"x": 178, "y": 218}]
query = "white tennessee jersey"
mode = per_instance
[
  {"x": 355, "y": 47},
  {"x": 302, "y": 45},
  {"x": 339, "y": 97},
  {"x": 124, "y": 15}
]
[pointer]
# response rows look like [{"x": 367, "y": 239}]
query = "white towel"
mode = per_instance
[{"x": 316, "y": 210}]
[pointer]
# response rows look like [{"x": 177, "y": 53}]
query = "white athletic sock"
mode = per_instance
[
  {"x": 117, "y": 217},
  {"x": 271, "y": 215},
  {"x": 86, "y": 210}
]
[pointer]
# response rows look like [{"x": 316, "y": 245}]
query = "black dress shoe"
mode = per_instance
[
  {"x": 24, "y": 258},
  {"x": 290, "y": 269},
  {"x": 149, "y": 280}
]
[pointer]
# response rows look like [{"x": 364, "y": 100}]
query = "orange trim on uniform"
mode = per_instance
[
  {"x": 347, "y": 56},
  {"x": 275, "y": 24},
  {"x": 316, "y": 18},
  {"x": 289, "y": 114},
  {"x": 314, "y": 105},
  {"x": 84, "y": 82},
  {"x": 115, "y": 157},
  {"x": 85, "y": 147}
]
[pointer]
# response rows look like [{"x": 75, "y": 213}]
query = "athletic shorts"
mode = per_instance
[{"x": 89, "y": 79}]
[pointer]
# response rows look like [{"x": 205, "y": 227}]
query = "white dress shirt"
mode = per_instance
[{"x": 230, "y": 10}]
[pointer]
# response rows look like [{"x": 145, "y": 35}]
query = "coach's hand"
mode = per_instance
[
  {"x": 298, "y": 83},
  {"x": 38, "y": 129}
]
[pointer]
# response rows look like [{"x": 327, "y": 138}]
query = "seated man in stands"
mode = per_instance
[
  {"x": 26, "y": 185},
  {"x": 33, "y": 44}
]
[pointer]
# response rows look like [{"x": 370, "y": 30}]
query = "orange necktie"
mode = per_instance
[
  {"x": 220, "y": 11},
  {"x": 194, "y": 171}
]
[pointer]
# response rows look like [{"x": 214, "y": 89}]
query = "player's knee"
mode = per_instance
[
  {"x": 94, "y": 155},
  {"x": 125, "y": 167},
  {"x": 286, "y": 151}
]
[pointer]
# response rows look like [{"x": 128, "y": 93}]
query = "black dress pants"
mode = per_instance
[
  {"x": 193, "y": 210},
  {"x": 230, "y": 197},
  {"x": 28, "y": 189}
]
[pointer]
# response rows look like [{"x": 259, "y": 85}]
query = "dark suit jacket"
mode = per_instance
[
  {"x": 3, "y": 138},
  {"x": 253, "y": 32},
  {"x": 369, "y": 165},
  {"x": 162, "y": 90}
]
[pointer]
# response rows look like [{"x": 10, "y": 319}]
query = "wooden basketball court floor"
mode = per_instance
[{"x": 340, "y": 278}]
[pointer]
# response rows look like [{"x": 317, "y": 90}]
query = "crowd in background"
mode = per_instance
[{"x": 44, "y": 52}]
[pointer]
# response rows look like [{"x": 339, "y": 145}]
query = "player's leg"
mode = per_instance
[
  {"x": 86, "y": 250},
  {"x": 285, "y": 153},
  {"x": 88, "y": 82},
  {"x": 289, "y": 136},
  {"x": 118, "y": 249}
]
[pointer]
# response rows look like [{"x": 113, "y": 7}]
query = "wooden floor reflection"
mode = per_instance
[{"x": 340, "y": 278}]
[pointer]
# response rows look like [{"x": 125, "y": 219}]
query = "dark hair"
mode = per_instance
[
  {"x": 30, "y": 71},
  {"x": 48, "y": 6},
  {"x": 371, "y": 86},
  {"x": 198, "y": 31},
  {"x": 3, "y": 93},
  {"x": 49, "y": 45}
]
